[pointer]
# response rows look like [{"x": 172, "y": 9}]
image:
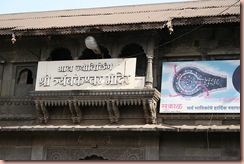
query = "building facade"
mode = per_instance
[{"x": 118, "y": 123}]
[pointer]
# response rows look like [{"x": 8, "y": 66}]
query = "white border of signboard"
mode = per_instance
[{"x": 87, "y": 75}]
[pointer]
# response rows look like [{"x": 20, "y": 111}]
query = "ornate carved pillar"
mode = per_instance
[
  {"x": 149, "y": 76},
  {"x": 150, "y": 54}
]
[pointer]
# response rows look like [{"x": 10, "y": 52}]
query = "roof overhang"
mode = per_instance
[{"x": 120, "y": 27}]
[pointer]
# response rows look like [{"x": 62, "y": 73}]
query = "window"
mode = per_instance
[
  {"x": 25, "y": 77},
  {"x": 89, "y": 54},
  {"x": 60, "y": 54},
  {"x": 136, "y": 51}
]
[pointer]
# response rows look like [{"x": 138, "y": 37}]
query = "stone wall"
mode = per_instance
[
  {"x": 78, "y": 145},
  {"x": 200, "y": 146},
  {"x": 120, "y": 146}
]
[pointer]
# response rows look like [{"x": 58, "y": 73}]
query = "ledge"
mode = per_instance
[
  {"x": 95, "y": 98},
  {"x": 116, "y": 128},
  {"x": 78, "y": 99},
  {"x": 16, "y": 101}
]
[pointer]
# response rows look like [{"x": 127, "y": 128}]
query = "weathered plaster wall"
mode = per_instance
[
  {"x": 200, "y": 146},
  {"x": 78, "y": 145},
  {"x": 120, "y": 146}
]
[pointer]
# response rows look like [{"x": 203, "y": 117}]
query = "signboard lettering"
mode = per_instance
[{"x": 87, "y": 74}]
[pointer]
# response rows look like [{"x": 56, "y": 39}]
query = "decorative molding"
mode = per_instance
[
  {"x": 122, "y": 92},
  {"x": 17, "y": 118},
  {"x": 16, "y": 101},
  {"x": 80, "y": 153},
  {"x": 112, "y": 99},
  {"x": 94, "y": 139}
]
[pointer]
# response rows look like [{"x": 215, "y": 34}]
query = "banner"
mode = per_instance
[
  {"x": 87, "y": 75},
  {"x": 200, "y": 87}
]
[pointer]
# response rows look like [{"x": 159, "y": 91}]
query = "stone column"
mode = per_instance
[
  {"x": 149, "y": 75},
  {"x": 150, "y": 54},
  {"x": 37, "y": 149},
  {"x": 152, "y": 146}
]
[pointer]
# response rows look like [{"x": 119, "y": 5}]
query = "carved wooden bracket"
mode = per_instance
[
  {"x": 43, "y": 114},
  {"x": 76, "y": 100},
  {"x": 113, "y": 111},
  {"x": 75, "y": 112}
]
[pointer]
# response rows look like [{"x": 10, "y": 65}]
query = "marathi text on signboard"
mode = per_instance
[
  {"x": 86, "y": 74},
  {"x": 200, "y": 87}
]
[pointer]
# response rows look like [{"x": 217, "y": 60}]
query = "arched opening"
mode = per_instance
[
  {"x": 89, "y": 54},
  {"x": 93, "y": 157},
  {"x": 136, "y": 51},
  {"x": 25, "y": 77},
  {"x": 60, "y": 54}
]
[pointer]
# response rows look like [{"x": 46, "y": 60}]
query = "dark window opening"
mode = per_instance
[
  {"x": 93, "y": 157},
  {"x": 60, "y": 54},
  {"x": 89, "y": 54},
  {"x": 136, "y": 51},
  {"x": 196, "y": 43},
  {"x": 25, "y": 77}
]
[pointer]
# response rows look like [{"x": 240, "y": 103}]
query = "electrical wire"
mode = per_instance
[{"x": 194, "y": 29}]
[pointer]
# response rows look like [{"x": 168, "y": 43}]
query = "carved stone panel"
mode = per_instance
[{"x": 80, "y": 153}]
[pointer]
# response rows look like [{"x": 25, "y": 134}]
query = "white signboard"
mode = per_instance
[{"x": 87, "y": 75}]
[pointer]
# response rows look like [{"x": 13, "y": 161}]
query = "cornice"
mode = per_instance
[
  {"x": 16, "y": 100},
  {"x": 78, "y": 99}
]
